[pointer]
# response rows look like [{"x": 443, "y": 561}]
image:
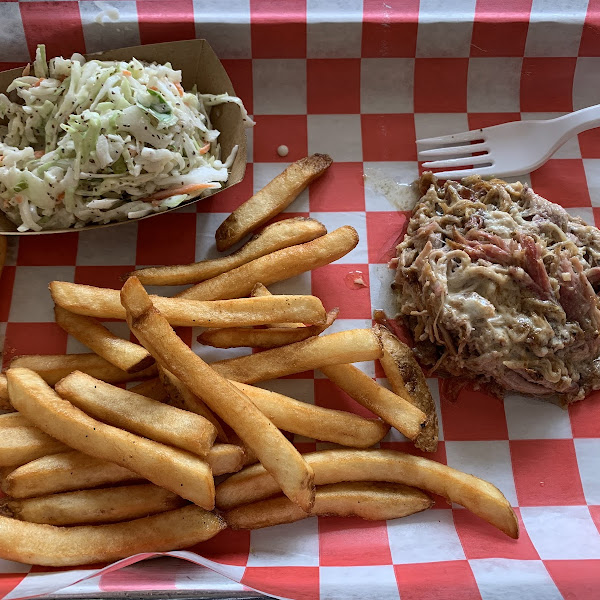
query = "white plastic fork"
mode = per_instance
[{"x": 508, "y": 149}]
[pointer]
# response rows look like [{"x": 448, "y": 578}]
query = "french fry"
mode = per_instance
[
  {"x": 276, "y": 236},
  {"x": 334, "y": 466},
  {"x": 14, "y": 419},
  {"x": 272, "y": 337},
  {"x": 260, "y": 291},
  {"x": 182, "y": 397},
  {"x": 74, "y": 470},
  {"x": 87, "y": 507},
  {"x": 125, "y": 355},
  {"x": 239, "y": 312},
  {"x": 151, "y": 388},
  {"x": 63, "y": 472},
  {"x": 277, "y": 195},
  {"x": 393, "y": 409},
  {"x": 374, "y": 501},
  {"x": 4, "y": 400},
  {"x": 19, "y": 445},
  {"x": 48, "y": 545},
  {"x": 277, "y": 266},
  {"x": 53, "y": 367},
  {"x": 339, "y": 427},
  {"x": 353, "y": 345},
  {"x": 176, "y": 470},
  {"x": 138, "y": 414},
  {"x": 407, "y": 380},
  {"x": 236, "y": 409}
]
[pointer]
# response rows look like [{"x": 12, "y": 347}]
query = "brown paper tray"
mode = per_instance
[{"x": 199, "y": 65}]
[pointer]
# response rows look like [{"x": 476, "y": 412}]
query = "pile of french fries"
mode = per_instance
[{"x": 95, "y": 472}]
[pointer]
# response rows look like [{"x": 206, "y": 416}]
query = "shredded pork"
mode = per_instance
[{"x": 498, "y": 286}]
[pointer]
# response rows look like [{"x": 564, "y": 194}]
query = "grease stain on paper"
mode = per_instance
[{"x": 402, "y": 196}]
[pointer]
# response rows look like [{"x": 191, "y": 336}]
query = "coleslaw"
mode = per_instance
[{"x": 97, "y": 141}]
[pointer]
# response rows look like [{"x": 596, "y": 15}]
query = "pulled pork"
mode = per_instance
[{"x": 497, "y": 285}]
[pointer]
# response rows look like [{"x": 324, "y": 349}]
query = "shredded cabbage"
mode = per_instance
[{"x": 99, "y": 141}]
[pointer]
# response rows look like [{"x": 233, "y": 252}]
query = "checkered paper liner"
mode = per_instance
[{"x": 360, "y": 81}]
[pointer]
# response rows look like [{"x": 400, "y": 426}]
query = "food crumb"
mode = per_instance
[{"x": 283, "y": 150}]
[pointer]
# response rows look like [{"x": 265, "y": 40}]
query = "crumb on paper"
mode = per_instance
[
  {"x": 283, "y": 150},
  {"x": 360, "y": 281},
  {"x": 108, "y": 11}
]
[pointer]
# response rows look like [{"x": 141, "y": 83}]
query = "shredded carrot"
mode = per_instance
[
  {"x": 184, "y": 189},
  {"x": 60, "y": 197},
  {"x": 153, "y": 88},
  {"x": 37, "y": 83},
  {"x": 127, "y": 73},
  {"x": 39, "y": 153},
  {"x": 18, "y": 198},
  {"x": 205, "y": 148},
  {"x": 179, "y": 88}
]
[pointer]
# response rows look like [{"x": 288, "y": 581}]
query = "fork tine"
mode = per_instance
[
  {"x": 458, "y": 162},
  {"x": 459, "y": 174},
  {"x": 452, "y": 151},
  {"x": 454, "y": 138}
]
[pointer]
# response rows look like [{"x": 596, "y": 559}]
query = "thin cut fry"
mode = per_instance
[
  {"x": 301, "y": 418},
  {"x": 259, "y": 291},
  {"x": 231, "y": 405},
  {"x": 276, "y": 266},
  {"x": 176, "y": 470},
  {"x": 48, "y": 545},
  {"x": 124, "y": 354},
  {"x": 407, "y": 380},
  {"x": 138, "y": 414},
  {"x": 349, "y": 346},
  {"x": 239, "y": 312},
  {"x": 107, "y": 505},
  {"x": 277, "y": 195},
  {"x": 334, "y": 466},
  {"x": 53, "y": 367},
  {"x": 276, "y": 236},
  {"x": 19, "y": 445},
  {"x": 374, "y": 501},
  {"x": 151, "y": 388},
  {"x": 393, "y": 409},
  {"x": 272, "y": 337},
  {"x": 182, "y": 397},
  {"x": 74, "y": 470},
  {"x": 4, "y": 401}
]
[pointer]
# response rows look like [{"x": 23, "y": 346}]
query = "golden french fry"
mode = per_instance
[
  {"x": 14, "y": 419},
  {"x": 393, "y": 409},
  {"x": 407, "y": 380},
  {"x": 277, "y": 195},
  {"x": 272, "y": 337},
  {"x": 182, "y": 397},
  {"x": 276, "y": 266},
  {"x": 276, "y": 236},
  {"x": 176, "y": 470},
  {"x": 239, "y": 312},
  {"x": 124, "y": 354},
  {"x": 327, "y": 425},
  {"x": 83, "y": 507},
  {"x": 63, "y": 472},
  {"x": 53, "y": 367},
  {"x": 237, "y": 410},
  {"x": 353, "y": 345},
  {"x": 74, "y": 470},
  {"x": 4, "y": 400},
  {"x": 151, "y": 388},
  {"x": 374, "y": 501},
  {"x": 138, "y": 414},
  {"x": 48, "y": 545},
  {"x": 3, "y": 250},
  {"x": 334, "y": 466},
  {"x": 260, "y": 291},
  {"x": 19, "y": 445}
]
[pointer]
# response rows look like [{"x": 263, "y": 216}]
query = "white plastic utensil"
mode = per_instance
[{"x": 507, "y": 149}]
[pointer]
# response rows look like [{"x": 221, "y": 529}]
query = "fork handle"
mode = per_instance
[{"x": 578, "y": 121}]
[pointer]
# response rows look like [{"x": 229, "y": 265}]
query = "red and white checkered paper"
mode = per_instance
[{"x": 359, "y": 80}]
